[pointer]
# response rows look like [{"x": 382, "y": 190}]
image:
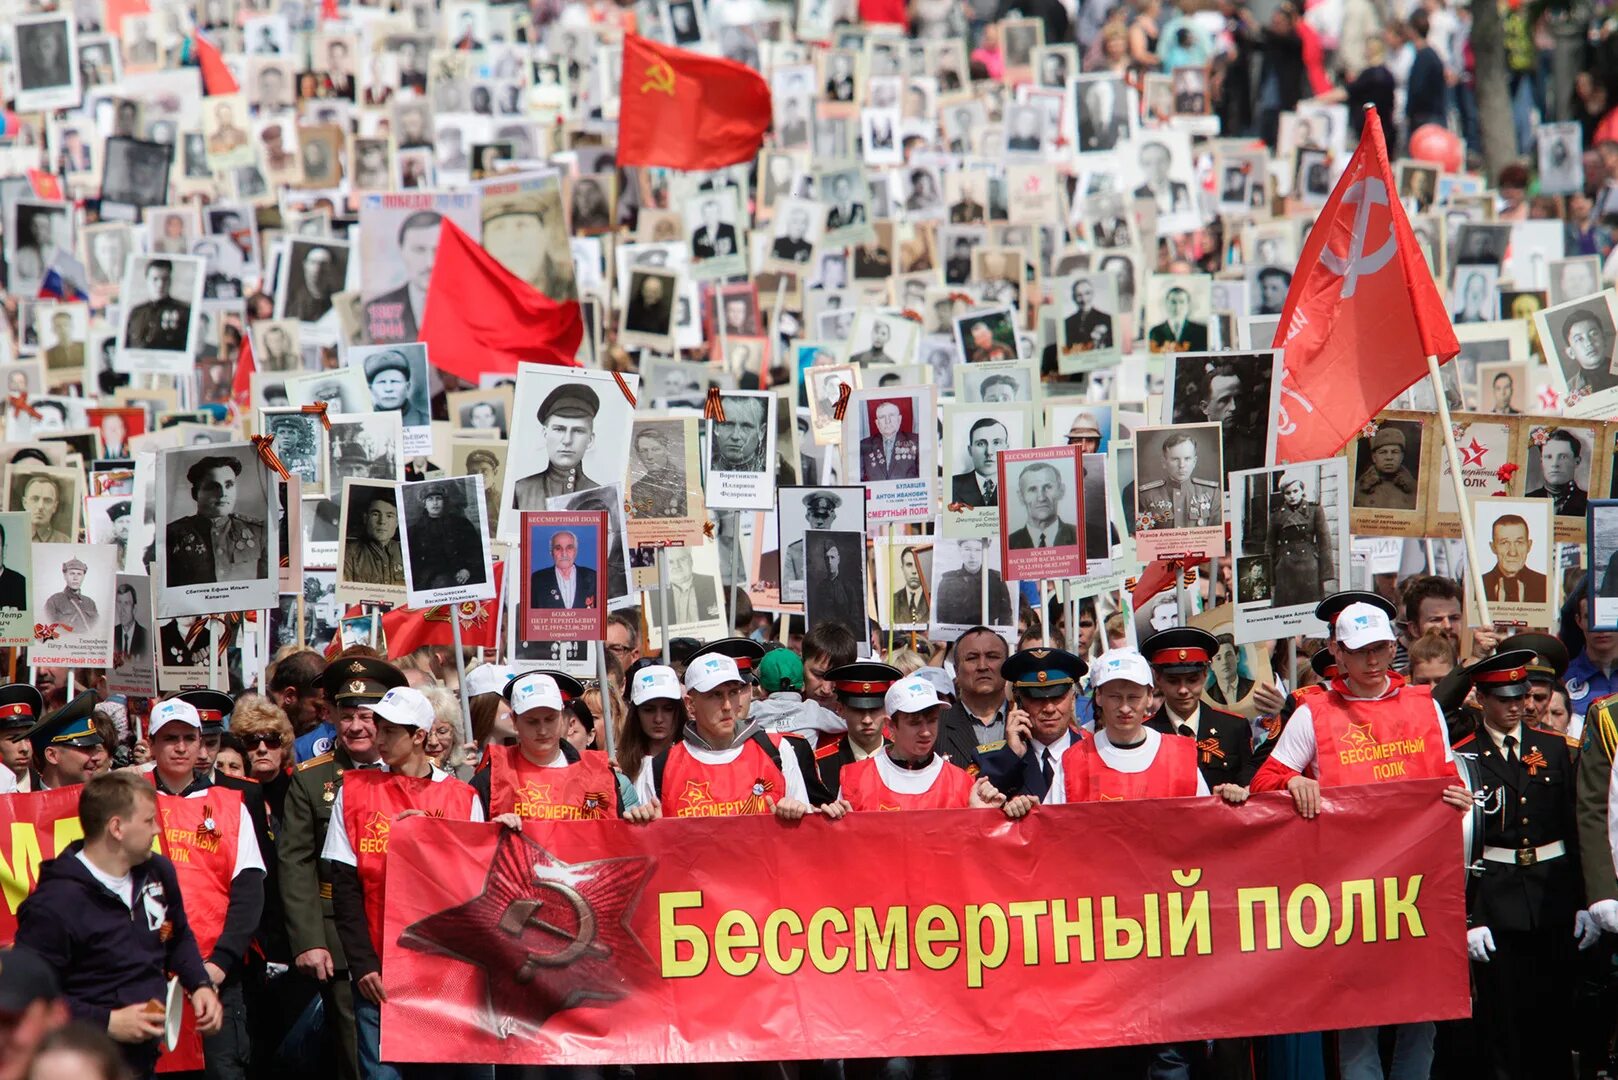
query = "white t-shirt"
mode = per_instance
[
  {"x": 338, "y": 849},
  {"x": 121, "y": 887}
]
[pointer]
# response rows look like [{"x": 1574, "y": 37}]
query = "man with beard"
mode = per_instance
[
  {"x": 216, "y": 544},
  {"x": 445, "y": 548},
  {"x": 1298, "y": 548},
  {"x": 567, "y": 417},
  {"x": 1558, "y": 466},
  {"x": 396, "y": 316}
]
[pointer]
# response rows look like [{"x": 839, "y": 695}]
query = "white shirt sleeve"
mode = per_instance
[
  {"x": 248, "y": 856},
  {"x": 646, "y": 782},
  {"x": 1296, "y": 747},
  {"x": 793, "y": 775},
  {"x": 1202, "y": 784},
  {"x": 338, "y": 849},
  {"x": 477, "y": 809},
  {"x": 8, "y": 782}
]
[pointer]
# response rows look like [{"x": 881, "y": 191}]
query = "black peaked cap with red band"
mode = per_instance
[
  {"x": 1505, "y": 674},
  {"x": 21, "y": 706},
  {"x": 1179, "y": 650},
  {"x": 213, "y": 708},
  {"x": 864, "y": 683},
  {"x": 744, "y": 650}
]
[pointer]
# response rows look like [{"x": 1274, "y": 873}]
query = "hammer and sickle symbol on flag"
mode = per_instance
[
  {"x": 659, "y": 77},
  {"x": 1362, "y": 195}
]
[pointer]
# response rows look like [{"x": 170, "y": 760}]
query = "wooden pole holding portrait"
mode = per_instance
[{"x": 1474, "y": 571}]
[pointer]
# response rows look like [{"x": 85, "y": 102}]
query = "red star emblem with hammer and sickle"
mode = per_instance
[
  {"x": 548, "y": 935},
  {"x": 1473, "y": 454}
]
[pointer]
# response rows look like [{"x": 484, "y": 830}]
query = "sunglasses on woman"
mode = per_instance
[{"x": 270, "y": 739}]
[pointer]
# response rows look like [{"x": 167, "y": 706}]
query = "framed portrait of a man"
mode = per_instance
[
  {"x": 828, "y": 509},
  {"x": 1042, "y": 526},
  {"x": 1580, "y": 338},
  {"x": 370, "y": 554},
  {"x": 161, "y": 301},
  {"x": 73, "y": 606},
  {"x": 216, "y": 530},
  {"x": 564, "y": 579},
  {"x": 1179, "y": 491},
  {"x": 16, "y": 575},
  {"x": 665, "y": 490},
  {"x": 741, "y": 452},
  {"x": 890, "y": 444},
  {"x": 445, "y": 541},
  {"x": 396, "y": 377},
  {"x": 1388, "y": 466},
  {"x": 1518, "y": 556}
]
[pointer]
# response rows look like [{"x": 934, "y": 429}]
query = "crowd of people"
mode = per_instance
[{"x": 974, "y": 230}]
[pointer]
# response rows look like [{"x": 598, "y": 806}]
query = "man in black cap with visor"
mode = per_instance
[
  {"x": 21, "y": 706},
  {"x": 859, "y": 690},
  {"x": 1179, "y": 657},
  {"x": 1545, "y": 670},
  {"x": 567, "y": 419},
  {"x": 1523, "y": 896}
]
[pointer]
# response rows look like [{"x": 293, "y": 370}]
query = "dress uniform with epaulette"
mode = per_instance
[
  {"x": 350, "y": 683},
  {"x": 859, "y": 688},
  {"x": 71, "y": 732},
  {"x": 1523, "y": 894},
  {"x": 1192, "y": 504},
  {"x": 1224, "y": 740},
  {"x": 21, "y": 706}
]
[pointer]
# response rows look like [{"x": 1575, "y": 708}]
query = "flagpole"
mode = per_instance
[
  {"x": 719, "y": 319},
  {"x": 663, "y": 598},
  {"x": 606, "y": 702},
  {"x": 460, "y": 662},
  {"x": 1474, "y": 571},
  {"x": 1044, "y": 615}
]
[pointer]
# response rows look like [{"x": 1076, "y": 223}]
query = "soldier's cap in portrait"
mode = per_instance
[
  {"x": 387, "y": 360},
  {"x": 1388, "y": 435},
  {"x": 75, "y": 564},
  {"x": 199, "y": 471},
  {"x": 571, "y": 400}
]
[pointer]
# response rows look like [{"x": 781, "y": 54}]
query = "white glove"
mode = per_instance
[
  {"x": 1605, "y": 913},
  {"x": 1586, "y": 929},
  {"x": 1479, "y": 944}
]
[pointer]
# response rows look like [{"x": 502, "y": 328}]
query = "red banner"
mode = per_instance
[
  {"x": 33, "y": 828},
  {"x": 921, "y": 933}
]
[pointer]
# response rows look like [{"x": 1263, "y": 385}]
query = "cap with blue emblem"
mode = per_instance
[
  {"x": 173, "y": 711},
  {"x": 1331, "y": 609},
  {"x": 533, "y": 690},
  {"x": 1360, "y": 624},
  {"x": 1042, "y": 673},
  {"x": 1121, "y": 664},
  {"x": 744, "y": 650},
  {"x": 655, "y": 683},
  {"x": 71, "y": 725},
  {"x": 711, "y": 670}
]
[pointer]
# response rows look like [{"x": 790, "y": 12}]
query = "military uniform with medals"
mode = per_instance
[
  {"x": 159, "y": 324},
  {"x": 305, "y": 877},
  {"x": 660, "y": 493},
  {"x": 1189, "y": 505},
  {"x": 205, "y": 550}
]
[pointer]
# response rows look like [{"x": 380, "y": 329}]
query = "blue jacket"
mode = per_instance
[
  {"x": 1012, "y": 775},
  {"x": 314, "y": 742},
  {"x": 106, "y": 955}
]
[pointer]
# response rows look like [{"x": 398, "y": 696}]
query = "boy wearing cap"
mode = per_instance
[
  {"x": 21, "y": 706},
  {"x": 861, "y": 706},
  {"x": 907, "y": 774},
  {"x": 1127, "y": 759},
  {"x": 1179, "y": 659},
  {"x": 1039, "y": 725},
  {"x": 368, "y": 804},
  {"x": 721, "y": 767},
  {"x": 543, "y": 777},
  {"x": 209, "y": 835},
  {"x": 1523, "y": 898}
]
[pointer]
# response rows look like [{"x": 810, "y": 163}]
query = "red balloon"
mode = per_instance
[{"x": 1438, "y": 144}]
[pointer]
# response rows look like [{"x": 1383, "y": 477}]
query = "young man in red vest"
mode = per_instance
[
  {"x": 907, "y": 774},
  {"x": 543, "y": 777},
  {"x": 1127, "y": 759},
  {"x": 1336, "y": 738},
  {"x": 721, "y": 769},
  {"x": 208, "y": 834},
  {"x": 367, "y": 805}
]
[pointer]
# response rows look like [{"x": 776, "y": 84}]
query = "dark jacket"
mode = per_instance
[
  {"x": 105, "y": 955},
  {"x": 1014, "y": 775},
  {"x": 1427, "y": 92},
  {"x": 1224, "y": 744}
]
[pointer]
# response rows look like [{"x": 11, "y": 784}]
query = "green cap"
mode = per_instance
[{"x": 780, "y": 670}]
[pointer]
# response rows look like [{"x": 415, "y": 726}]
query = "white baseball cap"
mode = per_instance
[
  {"x": 1126, "y": 664},
  {"x": 653, "y": 683},
  {"x": 938, "y": 677},
  {"x": 910, "y": 694},
  {"x": 1363, "y": 624},
  {"x": 174, "y": 711},
  {"x": 534, "y": 691},
  {"x": 710, "y": 670},
  {"x": 487, "y": 679},
  {"x": 407, "y": 707}
]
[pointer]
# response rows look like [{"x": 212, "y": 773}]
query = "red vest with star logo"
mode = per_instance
[
  {"x": 1086, "y": 776},
  {"x": 372, "y": 799},
  {"x": 692, "y": 788},
  {"x": 1367, "y": 742},
  {"x": 864, "y": 789},
  {"x": 585, "y": 789},
  {"x": 199, "y": 837}
]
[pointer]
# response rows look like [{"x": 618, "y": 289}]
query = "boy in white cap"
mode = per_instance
[
  {"x": 721, "y": 768},
  {"x": 543, "y": 777},
  {"x": 208, "y": 834},
  {"x": 369, "y": 802},
  {"x": 907, "y": 774},
  {"x": 1127, "y": 759}
]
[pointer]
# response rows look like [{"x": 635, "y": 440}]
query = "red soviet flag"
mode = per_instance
[
  {"x": 682, "y": 110},
  {"x": 408, "y": 629},
  {"x": 483, "y": 318},
  {"x": 241, "y": 383},
  {"x": 216, "y": 77},
  {"x": 1363, "y": 313}
]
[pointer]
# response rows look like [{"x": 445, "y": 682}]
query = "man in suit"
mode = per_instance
[
  {"x": 1039, "y": 725},
  {"x": 564, "y": 584},
  {"x": 794, "y": 245},
  {"x": 1179, "y": 659},
  {"x": 692, "y": 599},
  {"x": 14, "y": 587},
  {"x": 976, "y": 487},
  {"x": 312, "y": 285},
  {"x": 960, "y": 591},
  {"x": 910, "y": 599},
  {"x": 845, "y": 211},
  {"x": 977, "y": 720},
  {"x": 1525, "y": 893},
  {"x": 1510, "y": 581},
  {"x": 1171, "y": 196},
  {"x": 159, "y": 322},
  {"x": 1104, "y": 120},
  {"x": 1041, "y": 489},
  {"x": 1177, "y": 333},
  {"x": 713, "y": 237},
  {"x": 396, "y": 316},
  {"x": 1558, "y": 465},
  {"x": 1086, "y": 329},
  {"x": 890, "y": 454},
  {"x": 130, "y": 640}
]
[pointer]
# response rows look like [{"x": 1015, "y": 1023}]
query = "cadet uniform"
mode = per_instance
[
  {"x": 576, "y": 402},
  {"x": 1375, "y": 490},
  {"x": 860, "y": 686},
  {"x": 1196, "y": 502},
  {"x": 20, "y": 707},
  {"x": 1524, "y": 893},
  {"x": 1224, "y": 740},
  {"x": 305, "y": 878}
]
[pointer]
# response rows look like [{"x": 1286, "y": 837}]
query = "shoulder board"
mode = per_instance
[
  {"x": 323, "y": 759},
  {"x": 1606, "y": 701},
  {"x": 1203, "y": 483},
  {"x": 1572, "y": 743},
  {"x": 828, "y": 748},
  {"x": 1607, "y": 732},
  {"x": 1153, "y": 484},
  {"x": 991, "y": 747},
  {"x": 1465, "y": 740}
]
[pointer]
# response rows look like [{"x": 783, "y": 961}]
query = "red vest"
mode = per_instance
[
  {"x": 586, "y": 789},
  {"x": 864, "y": 789},
  {"x": 691, "y": 788},
  {"x": 1086, "y": 777},
  {"x": 199, "y": 837},
  {"x": 1366, "y": 742},
  {"x": 372, "y": 799}
]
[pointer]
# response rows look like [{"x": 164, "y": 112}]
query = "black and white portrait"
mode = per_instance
[
  {"x": 1179, "y": 478},
  {"x": 446, "y": 543},
  {"x": 132, "y": 637},
  {"x": 1575, "y": 278},
  {"x": 73, "y": 595},
  {"x": 741, "y": 452},
  {"x": 1105, "y": 112},
  {"x": 136, "y": 172},
  {"x": 1088, "y": 310},
  {"x": 1267, "y": 288},
  {"x": 46, "y": 68},
  {"x": 311, "y": 273},
  {"x": 1178, "y": 307},
  {"x": 1561, "y": 459},
  {"x": 1162, "y": 172},
  {"x": 795, "y": 233},
  {"x": 834, "y": 574},
  {"x": 1239, "y": 391},
  {"x": 582, "y": 419},
  {"x": 371, "y": 567},
  {"x": 161, "y": 300},
  {"x": 648, "y": 317},
  {"x": 1388, "y": 465},
  {"x": 397, "y": 378},
  {"x": 1561, "y": 162},
  {"x": 1481, "y": 243},
  {"x": 1579, "y": 339},
  {"x": 342, "y": 390},
  {"x": 960, "y": 568},
  {"x": 38, "y": 235},
  {"x": 215, "y": 506},
  {"x": 300, "y": 443},
  {"x": 661, "y": 484},
  {"x": 1289, "y": 539},
  {"x": 840, "y": 509}
]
